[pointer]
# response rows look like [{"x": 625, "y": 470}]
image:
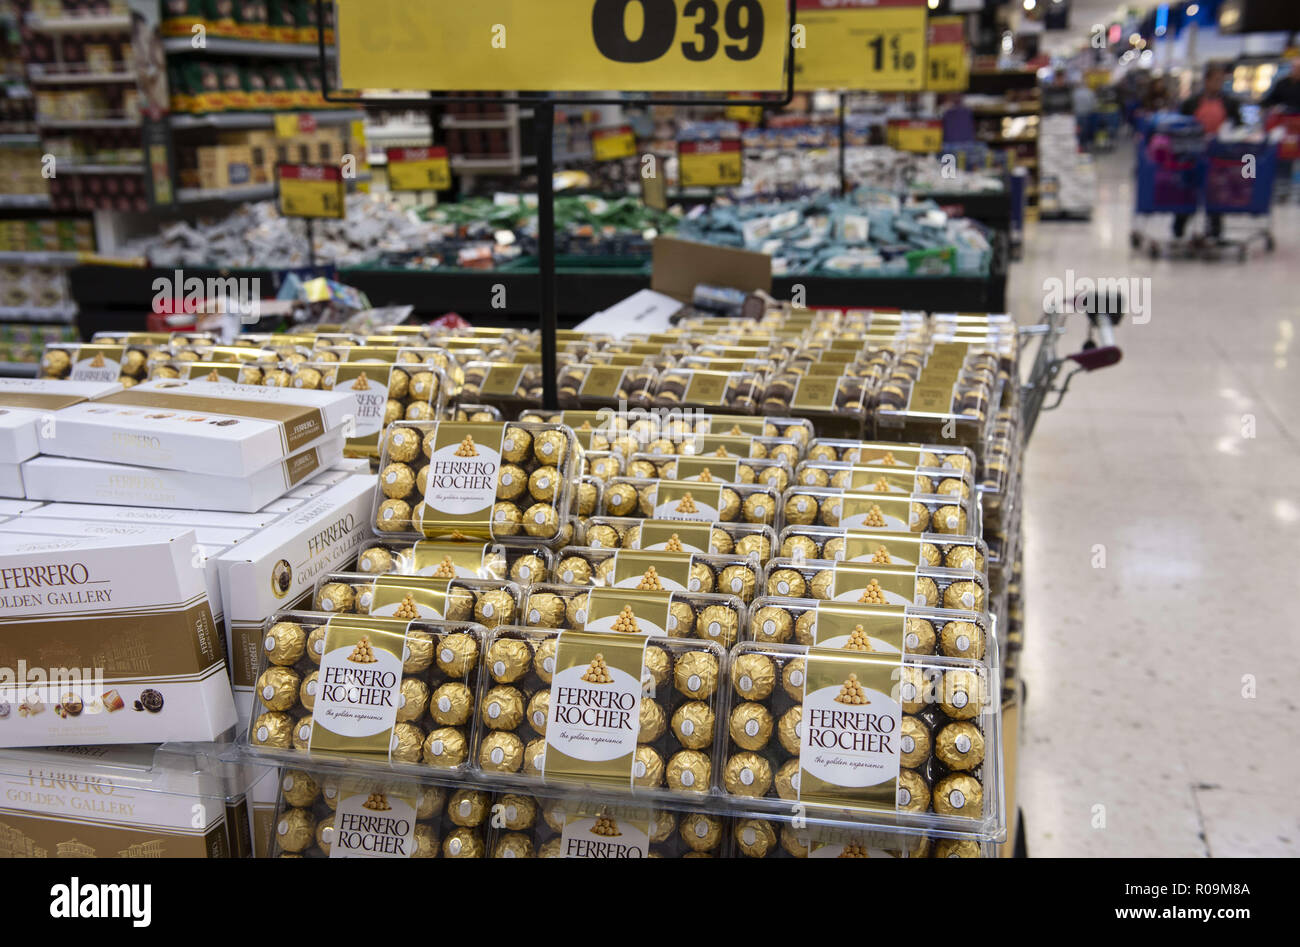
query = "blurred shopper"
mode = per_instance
[{"x": 1212, "y": 108}]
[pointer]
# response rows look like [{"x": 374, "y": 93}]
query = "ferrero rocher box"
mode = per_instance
[
  {"x": 108, "y": 640},
  {"x": 277, "y": 569},
  {"x": 62, "y": 478},
  {"x": 114, "y": 802},
  {"x": 26, "y": 402},
  {"x": 205, "y": 427}
]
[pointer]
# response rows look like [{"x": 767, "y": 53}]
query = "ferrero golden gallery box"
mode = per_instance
[
  {"x": 200, "y": 426},
  {"x": 25, "y": 403},
  {"x": 107, "y": 640}
]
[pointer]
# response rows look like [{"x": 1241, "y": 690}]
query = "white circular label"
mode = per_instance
[
  {"x": 751, "y": 728},
  {"x": 737, "y": 585},
  {"x": 283, "y": 827},
  {"x": 507, "y": 478},
  {"x": 327, "y": 835},
  {"x": 769, "y": 627},
  {"x": 783, "y": 587},
  {"x": 715, "y": 629},
  {"x": 547, "y": 447},
  {"x": 796, "y": 678},
  {"x": 487, "y": 609},
  {"x": 288, "y": 783},
  {"x": 963, "y": 643},
  {"x": 318, "y": 645},
  {"x": 581, "y": 615},
  {"x": 701, "y": 829},
  {"x": 760, "y": 509},
  {"x": 262, "y": 734},
  {"x": 968, "y": 599},
  {"x": 959, "y": 699},
  {"x": 268, "y": 692},
  {"x": 534, "y": 616},
  {"x": 638, "y": 769},
  {"x": 904, "y": 796},
  {"x": 498, "y": 755},
  {"x": 366, "y": 599},
  {"x": 746, "y": 683},
  {"x": 695, "y": 585},
  {"x": 512, "y": 813},
  {"x": 794, "y": 781},
  {"x": 688, "y": 778},
  {"x": 672, "y": 622},
  {"x": 391, "y": 477},
  {"x": 908, "y": 691},
  {"x": 501, "y": 516},
  {"x": 835, "y": 508},
  {"x": 549, "y": 664},
  {"x": 911, "y": 640},
  {"x": 913, "y": 518},
  {"x": 525, "y": 572},
  {"x": 801, "y": 505},
  {"x": 747, "y": 776},
  {"x": 269, "y": 643},
  {"x": 444, "y": 704},
  {"x": 453, "y": 846},
  {"x": 499, "y": 668},
  {"x": 909, "y": 744},
  {"x": 693, "y": 682},
  {"x": 568, "y": 575},
  {"x": 688, "y": 727},
  {"x": 539, "y": 718},
  {"x": 539, "y": 517},
  {"x": 364, "y": 565},
  {"x": 952, "y": 522},
  {"x": 957, "y": 799},
  {"x": 304, "y": 732},
  {"x": 543, "y": 482},
  {"x": 465, "y": 808},
  {"x": 962, "y": 743},
  {"x": 494, "y": 710},
  {"x": 389, "y": 514},
  {"x": 749, "y": 835}
]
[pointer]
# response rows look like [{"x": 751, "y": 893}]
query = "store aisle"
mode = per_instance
[{"x": 1161, "y": 547}]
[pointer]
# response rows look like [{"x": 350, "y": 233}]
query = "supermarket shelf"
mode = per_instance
[
  {"x": 39, "y": 313},
  {"x": 57, "y": 123},
  {"x": 221, "y": 46},
  {"x": 24, "y": 200},
  {"x": 386, "y": 132},
  {"x": 41, "y": 257},
  {"x": 100, "y": 168},
  {"x": 18, "y": 369},
  {"x": 20, "y": 138},
  {"x": 461, "y": 163},
  {"x": 37, "y": 77},
  {"x": 451, "y": 121},
  {"x": 252, "y": 192},
  {"x": 235, "y": 120},
  {"x": 78, "y": 24}
]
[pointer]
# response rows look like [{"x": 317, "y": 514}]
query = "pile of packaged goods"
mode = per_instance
[{"x": 688, "y": 629}]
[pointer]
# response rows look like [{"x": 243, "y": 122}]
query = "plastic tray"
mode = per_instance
[
  {"x": 719, "y": 618},
  {"x": 675, "y": 570},
  {"x": 776, "y": 837},
  {"x": 585, "y": 386},
  {"x": 691, "y": 501},
  {"x": 871, "y": 583},
  {"x": 519, "y": 563},
  {"x": 916, "y": 513},
  {"x": 738, "y": 392},
  {"x": 626, "y": 532},
  {"x": 774, "y": 472},
  {"x": 489, "y": 602},
  {"x": 945, "y": 481},
  {"x": 883, "y": 453},
  {"x": 839, "y": 544}
]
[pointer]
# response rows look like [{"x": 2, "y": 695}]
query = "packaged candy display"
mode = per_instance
[
  {"x": 369, "y": 691},
  {"x": 567, "y": 827},
  {"x": 949, "y": 389},
  {"x": 625, "y": 532},
  {"x": 101, "y": 362},
  {"x": 885, "y": 478},
  {"x": 916, "y": 512},
  {"x": 777, "y": 837},
  {"x": 912, "y": 742},
  {"x": 587, "y": 496},
  {"x": 583, "y": 385},
  {"x": 885, "y": 454},
  {"x": 658, "y": 570},
  {"x": 478, "y": 413},
  {"x": 772, "y": 472},
  {"x": 653, "y": 701},
  {"x": 519, "y": 563},
  {"x": 489, "y": 602},
  {"x": 738, "y": 391},
  {"x": 872, "y": 583},
  {"x": 839, "y": 544},
  {"x": 504, "y": 385},
  {"x": 869, "y": 627},
  {"x": 445, "y": 480},
  {"x": 691, "y": 500},
  {"x": 717, "y": 617},
  {"x": 840, "y": 403}
]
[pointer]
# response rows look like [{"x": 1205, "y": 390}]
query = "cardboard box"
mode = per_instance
[
  {"x": 24, "y": 402},
  {"x": 278, "y": 568},
  {"x": 60, "y": 478},
  {"x": 18, "y": 507},
  {"x": 116, "y": 802},
  {"x": 199, "y": 426},
  {"x": 93, "y": 625},
  {"x": 146, "y": 514},
  {"x": 11, "y": 481}
]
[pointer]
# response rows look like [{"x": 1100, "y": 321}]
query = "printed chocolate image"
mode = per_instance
[
  {"x": 362, "y": 383},
  {"x": 70, "y": 705},
  {"x": 650, "y": 581},
  {"x": 606, "y": 826},
  {"x": 597, "y": 671},
  {"x": 362, "y": 652},
  {"x": 98, "y": 361},
  {"x": 674, "y": 544},
  {"x": 31, "y": 707},
  {"x": 854, "y": 851},
  {"x": 859, "y": 640},
  {"x": 4, "y": 709},
  {"x": 706, "y": 476},
  {"x": 875, "y": 517},
  {"x": 467, "y": 448},
  {"x": 851, "y": 692},
  {"x": 872, "y": 594},
  {"x": 113, "y": 701},
  {"x": 446, "y": 569},
  {"x": 405, "y": 610},
  {"x": 626, "y": 622},
  {"x": 281, "y": 578},
  {"x": 213, "y": 376},
  {"x": 377, "y": 803},
  {"x": 151, "y": 700},
  {"x": 687, "y": 504},
  {"x": 881, "y": 555}
]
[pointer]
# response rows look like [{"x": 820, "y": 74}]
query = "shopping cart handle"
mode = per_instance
[{"x": 1101, "y": 357}]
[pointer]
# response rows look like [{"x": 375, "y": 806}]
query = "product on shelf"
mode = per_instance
[{"x": 718, "y": 538}]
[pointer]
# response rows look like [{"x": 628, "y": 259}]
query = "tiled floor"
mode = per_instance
[{"x": 1162, "y": 687}]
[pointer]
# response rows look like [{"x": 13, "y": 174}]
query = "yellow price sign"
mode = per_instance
[
  {"x": 564, "y": 45},
  {"x": 920, "y": 135},
  {"x": 875, "y": 45},
  {"x": 752, "y": 114},
  {"x": 654, "y": 191},
  {"x": 710, "y": 163},
  {"x": 311, "y": 190},
  {"x": 418, "y": 169},
  {"x": 611, "y": 144},
  {"x": 947, "y": 57}
]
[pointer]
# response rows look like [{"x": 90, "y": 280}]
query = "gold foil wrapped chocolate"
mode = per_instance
[
  {"x": 958, "y": 794},
  {"x": 295, "y": 831},
  {"x": 652, "y": 721},
  {"x": 273, "y": 728},
  {"x": 468, "y": 808},
  {"x": 717, "y": 623},
  {"x": 753, "y": 675},
  {"x": 913, "y": 791},
  {"x": 278, "y": 687},
  {"x": 284, "y": 643},
  {"x": 750, "y": 725},
  {"x": 747, "y": 774},
  {"x": 647, "y": 767},
  {"x": 450, "y": 704},
  {"x": 501, "y": 752},
  {"x": 462, "y": 843},
  {"x": 502, "y": 708},
  {"x": 692, "y": 725},
  {"x": 689, "y": 771},
  {"x": 696, "y": 674},
  {"x": 457, "y": 654},
  {"x": 754, "y": 837},
  {"x": 962, "y": 639},
  {"x": 960, "y": 745},
  {"x": 445, "y": 747}
]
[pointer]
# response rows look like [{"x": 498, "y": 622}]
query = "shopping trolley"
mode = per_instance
[
  {"x": 1098, "y": 351},
  {"x": 1170, "y": 177},
  {"x": 1239, "y": 178}
]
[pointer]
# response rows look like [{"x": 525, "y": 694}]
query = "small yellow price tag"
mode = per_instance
[
  {"x": 711, "y": 163},
  {"x": 751, "y": 114},
  {"x": 311, "y": 190},
  {"x": 418, "y": 169},
  {"x": 611, "y": 144},
  {"x": 922, "y": 136},
  {"x": 653, "y": 192},
  {"x": 876, "y": 45},
  {"x": 947, "y": 58}
]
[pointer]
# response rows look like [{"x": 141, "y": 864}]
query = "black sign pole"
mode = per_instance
[
  {"x": 544, "y": 119},
  {"x": 844, "y": 143}
]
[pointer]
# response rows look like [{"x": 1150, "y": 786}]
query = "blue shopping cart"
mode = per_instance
[
  {"x": 1239, "y": 178},
  {"x": 1171, "y": 161}
]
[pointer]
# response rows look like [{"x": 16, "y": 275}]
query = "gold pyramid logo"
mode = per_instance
[
  {"x": 880, "y": 486},
  {"x": 377, "y": 803},
  {"x": 687, "y": 504},
  {"x": 362, "y": 383},
  {"x": 606, "y": 826},
  {"x": 859, "y": 640},
  {"x": 851, "y": 692},
  {"x": 674, "y": 544},
  {"x": 446, "y": 569},
  {"x": 874, "y": 516},
  {"x": 881, "y": 555},
  {"x": 597, "y": 671},
  {"x": 98, "y": 360},
  {"x": 888, "y": 459},
  {"x": 854, "y": 851},
  {"x": 626, "y": 622},
  {"x": 872, "y": 594},
  {"x": 586, "y": 426},
  {"x": 721, "y": 452},
  {"x": 467, "y": 448},
  {"x": 706, "y": 476},
  {"x": 735, "y": 429},
  {"x": 407, "y": 609},
  {"x": 362, "y": 653},
  {"x": 650, "y": 581},
  {"x": 458, "y": 537},
  {"x": 213, "y": 376}
]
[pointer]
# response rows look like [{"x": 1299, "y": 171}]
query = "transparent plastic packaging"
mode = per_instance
[
  {"x": 945, "y": 481},
  {"x": 513, "y": 482},
  {"x": 489, "y": 602},
  {"x": 583, "y": 385},
  {"x": 715, "y": 617},
  {"x": 911, "y": 742},
  {"x": 323, "y": 814},
  {"x": 839, "y": 544},
  {"x": 916, "y": 512},
  {"x": 925, "y": 395},
  {"x": 652, "y": 700},
  {"x": 478, "y": 413},
  {"x": 736, "y": 391},
  {"x": 626, "y": 532},
  {"x": 778, "y": 837},
  {"x": 885, "y": 629},
  {"x": 771, "y": 472},
  {"x": 673, "y": 570},
  {"x": 519, "y": 563},
  {"x": 691, "y": 501},
  {"x": 389, "y": 693},
  {"x": 573, "y": 827},
  {"x": 871, "y": 583},
  {"x": 602, "y": 464},
  {"x": 504, "y": 385},
  {"x": 587, "y": 496},
  {"x": 838, "y": 403},
  {"x": 884, "y": 453}
]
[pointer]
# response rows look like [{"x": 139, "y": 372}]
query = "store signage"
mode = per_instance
[
  {"x": 876, "y": 45},
  {"x": 719, "y": 163},
  {"x": 612, "y": 144},
  {"x": 311, "y": 190},
  {"x": 565, "y": 45},
  {"x": 418, "y": 169},
  {"x": 924, "y": 136},
  {"x": 947, "y": 57}
]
